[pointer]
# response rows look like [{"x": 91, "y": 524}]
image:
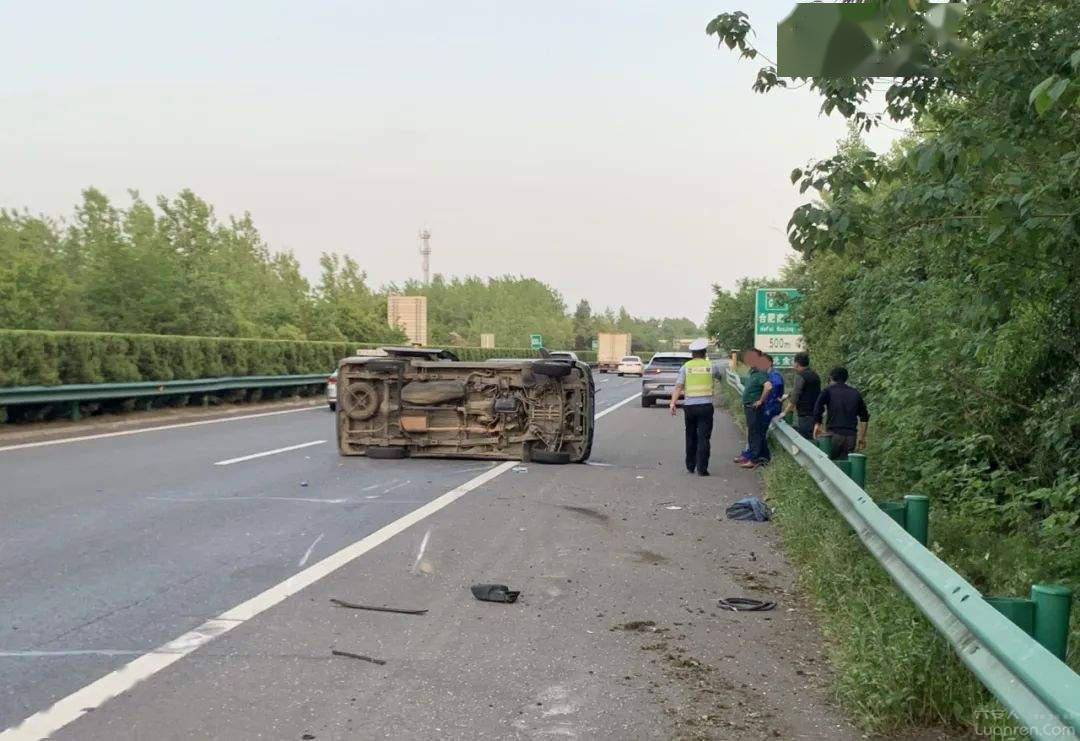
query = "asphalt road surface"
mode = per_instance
[{"x": 127, "y": 558}]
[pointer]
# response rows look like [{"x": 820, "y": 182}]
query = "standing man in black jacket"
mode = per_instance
[
  {"x": 805, "y": 395},
  {"x": 847, "y": 414}
]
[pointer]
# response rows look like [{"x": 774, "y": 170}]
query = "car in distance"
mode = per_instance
[
  {"x": 426, "y": 403},
  {"x": 660, "y": 375},
  {"x": 564, "y": 354},
  {"x": 631, "y": 365},
  {"x": 331, "y": 391}
]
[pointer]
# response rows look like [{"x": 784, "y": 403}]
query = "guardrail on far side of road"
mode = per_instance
[{"x": 74, "y": 394}]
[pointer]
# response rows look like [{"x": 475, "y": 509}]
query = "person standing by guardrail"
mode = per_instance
[
  {"x": 804, "y": 395},
  {"x": 756, "y": 390},
  {"x": 748, "y": 360},
  {"x": 774, "y": 400},
  {"x": 847, "y": 415}
]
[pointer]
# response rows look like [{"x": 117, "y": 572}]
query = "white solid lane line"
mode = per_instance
[
  {"x": 69, "y": 709},
  {"x": 141, "y": 430},
  {"x": 615, "y": 406},
  {"x": 275, "y": 451}
]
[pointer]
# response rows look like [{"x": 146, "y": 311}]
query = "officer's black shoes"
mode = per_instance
[{"x": 703, "y": 473}]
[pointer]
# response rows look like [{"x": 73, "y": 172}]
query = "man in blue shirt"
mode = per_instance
[{"x": 776, "y": 394}]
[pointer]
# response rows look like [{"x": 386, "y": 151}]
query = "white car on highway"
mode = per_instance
[
  {"x": 331, "y": 391},
  {"x": 631, "y": 365}
]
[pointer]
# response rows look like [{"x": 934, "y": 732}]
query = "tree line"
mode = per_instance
[{"x": 174, "y": 267}]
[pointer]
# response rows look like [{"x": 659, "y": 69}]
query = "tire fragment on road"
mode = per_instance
[
  {"x": 398, "y": 610},
  {"x": 361, "y": 657}
]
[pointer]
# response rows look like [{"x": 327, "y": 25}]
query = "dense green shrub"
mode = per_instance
[
  {"x": 33, "y": 358},
  {"x": 945, "y": 274}
]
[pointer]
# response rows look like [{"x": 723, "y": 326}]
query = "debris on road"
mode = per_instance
[
  {"x": 745, "y": 604},
  {"x": 350, "y": 655},
  {"x": 638, "y": 626},
  {"x": 749, "y": 509},
  {"x": 494, "y": 593},
  {"x": 673, "y": 506},
  {"x": 303, "y": 483},
  {"x": 420, "y": 566},
  {"x": 399, "y": 610},
  {"x": 520, "y": 469}
]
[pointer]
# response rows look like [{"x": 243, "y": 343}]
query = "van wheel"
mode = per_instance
[
  {"x": 552, "y": 457},
  {"x": 363, "y": 400},
  {"x": 387, "y": 454},
  {"x": 647, "y": 402},
  {"x": 551, "y": 368}
]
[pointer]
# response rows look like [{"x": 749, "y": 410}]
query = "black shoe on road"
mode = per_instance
[{"x": 703, "y": 473}]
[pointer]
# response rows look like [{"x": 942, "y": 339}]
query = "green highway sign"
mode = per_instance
[
  {"x": 775, "y": 331},
  {"x": 536, "y": 341},
  {"x": 595, "y": 345}
]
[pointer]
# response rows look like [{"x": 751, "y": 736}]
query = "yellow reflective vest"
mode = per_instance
[{"x": 699, "y": 378}]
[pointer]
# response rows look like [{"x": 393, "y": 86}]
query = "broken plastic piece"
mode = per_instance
[{"x": 494, "y": 593}]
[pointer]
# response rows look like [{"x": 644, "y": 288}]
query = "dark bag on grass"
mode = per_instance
[{"x": 750, "y": 509}]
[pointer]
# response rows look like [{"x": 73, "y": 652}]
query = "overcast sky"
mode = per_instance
[{"x": 604, "y": 146}]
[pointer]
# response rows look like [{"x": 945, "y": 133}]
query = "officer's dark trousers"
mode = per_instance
[{"x": 699, "y": 423}]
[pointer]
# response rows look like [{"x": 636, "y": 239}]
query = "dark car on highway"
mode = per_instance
[{"x": 660, "y": 375}]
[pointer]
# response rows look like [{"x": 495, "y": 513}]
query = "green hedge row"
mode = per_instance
[{"x": 36, "y": 358}]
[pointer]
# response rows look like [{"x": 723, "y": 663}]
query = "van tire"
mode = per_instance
[
  {"x": 387, "y": 454},
  {"x": 551, "y": 457},
  {"x": 551, "y": 368}
]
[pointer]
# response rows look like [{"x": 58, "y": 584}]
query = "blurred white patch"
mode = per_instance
[{"x": 420, "y": 566}]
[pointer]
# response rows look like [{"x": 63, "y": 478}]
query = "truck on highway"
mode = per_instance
[{"x": 611, "y": 349}]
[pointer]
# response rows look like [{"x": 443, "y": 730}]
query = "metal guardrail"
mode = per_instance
[
  {"x": 107, "y": 391},
  {"x": 1041, "y": 692}
]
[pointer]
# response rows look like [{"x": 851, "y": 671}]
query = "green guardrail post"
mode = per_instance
[
  {"x": 824, "y": 443},
  {"x": 845, "y": 466},
  {"x": 1018, "y": 609},
  {"x": 895, "y": 510},
  {"x": 76, "y": 413},
  {"x": 1052, "y": 606},
  {"x": 917, "y": 517},
  {"x": 858, "y": 469}
]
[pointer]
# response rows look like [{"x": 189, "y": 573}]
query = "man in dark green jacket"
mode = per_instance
[{"x": 755, "y": 387}]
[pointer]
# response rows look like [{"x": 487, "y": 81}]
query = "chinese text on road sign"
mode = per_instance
[{"x": 775, "y": 331}]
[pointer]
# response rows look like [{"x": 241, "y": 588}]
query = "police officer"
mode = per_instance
[{"x": 695, "y": 381}]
